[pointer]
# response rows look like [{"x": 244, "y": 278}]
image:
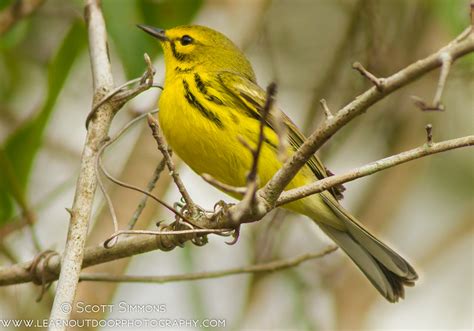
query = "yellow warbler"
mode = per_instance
[{"x": 211, "y": 99}]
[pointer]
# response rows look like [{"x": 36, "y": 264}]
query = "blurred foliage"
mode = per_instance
[
  {"x": 18, "y": 152},
  {"x": 5, "y": 3},
  {"x": 9, "y": 64},
  {"x": 388, "y": 35},
  {"x": 131, "y": 43},
  {"x": 455, "y": 17},
  {"x": 22, "y": 146},
  {"x": 14, "y": 36}
]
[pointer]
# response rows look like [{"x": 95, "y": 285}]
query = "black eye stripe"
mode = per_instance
[{"x": 177, "y": 55}]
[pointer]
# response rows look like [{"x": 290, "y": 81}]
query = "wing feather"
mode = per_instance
[{"x": 250, "y": 99}]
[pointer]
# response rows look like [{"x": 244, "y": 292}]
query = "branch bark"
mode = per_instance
[
  {"x": 429, "y": 148},
  {"x": 261, "y": 267},
  {"x": 72, "y": 258}
]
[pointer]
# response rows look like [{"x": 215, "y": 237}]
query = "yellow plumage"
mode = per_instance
[
  {"x": 210, "y": 99},
  {"x": 216, "y": 150}
]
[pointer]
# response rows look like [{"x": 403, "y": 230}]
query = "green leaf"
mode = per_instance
[
  {"x": 5, "y": 3},
  {"x": 9, "y": 179},
  {"x": 168, "y": 14},
  {"x": 131, "y": 43},
  {"x": 23, "y": 145},
  {"x": 11, "y": 75},
  {"x": 454, "y": 14},
  {"x": 6, "y": 205},
  {"x": 15, "y": 35}
]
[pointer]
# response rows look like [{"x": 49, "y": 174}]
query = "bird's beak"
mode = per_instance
[{"x": 155, "y": 32}]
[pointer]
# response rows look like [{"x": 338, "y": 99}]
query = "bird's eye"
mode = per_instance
[{"x": 186, "y": 40}]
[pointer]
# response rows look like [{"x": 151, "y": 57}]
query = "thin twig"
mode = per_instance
[
  {"x": 378, "y": 82},
  {"x": 472, "y": 15},
  {"x": 136, "y": 188},
  {"x": 436, "y": 105},
  {"x": 371, "y": 168},
  {"x": 261, "y": 267},
  {"x": 269, "y": 100},
  {"x": 249, "y": 201},
  {"x": 463, "y": 35},
  {"x": 429, "y": 135},
  {"x": 327, "y": 111},
  {"x": 120, "y": 95},
  {"x": 222, "y": 186},
  {"x": 108, "y": 97},
  {"x": 149, "y": 188},
  {"x": 155, "y": 128},
  {"x": 162, "y": 233},
  {"x": 445, "y": 67},
  {"x": 30, "y": 218},
  {"x": 108, "y": 200},
  {"x": 99, "y": 167},
  {"x": 39, "y": 272}
]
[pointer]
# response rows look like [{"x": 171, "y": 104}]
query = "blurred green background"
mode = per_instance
[{"x": 424, "y": 209}]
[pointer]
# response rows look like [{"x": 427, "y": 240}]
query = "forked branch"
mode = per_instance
[{"x": 459, "y": 47}]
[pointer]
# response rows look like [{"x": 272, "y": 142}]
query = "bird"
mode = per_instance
[{"x": 211, "y": 101}]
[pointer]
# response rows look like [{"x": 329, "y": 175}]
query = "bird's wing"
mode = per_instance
[{"x": 251, "y": 98}]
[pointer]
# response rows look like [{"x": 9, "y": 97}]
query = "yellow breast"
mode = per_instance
[{"x": 205, "y": 135}]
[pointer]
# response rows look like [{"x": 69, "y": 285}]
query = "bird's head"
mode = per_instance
[{"x": 193, "y": 47}]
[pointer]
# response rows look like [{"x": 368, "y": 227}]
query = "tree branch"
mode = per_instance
[
  {"x": 261, "y": 267},
  {"x": 359, "y": 105},
  {"x": 377, "y": 81},
  {"x": 429, "y": 148},
  {"x": 129, "y": 246},
  {"x": 443, "y": 76},
  {"x": 87, "y": 181}
]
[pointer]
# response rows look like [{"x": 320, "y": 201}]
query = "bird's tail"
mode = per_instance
[{"x": 386, "y": 270}]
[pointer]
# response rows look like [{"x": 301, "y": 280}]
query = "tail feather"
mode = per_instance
[
  {"x": 387, "y": 281},
  {"x": 386, "y": 270},
  {"x": 391, "y": 260}
]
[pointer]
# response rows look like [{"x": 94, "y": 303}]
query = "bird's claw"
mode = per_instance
[
  {"x": 219, "y": 210},
  {"x": 236, "y": 235}
]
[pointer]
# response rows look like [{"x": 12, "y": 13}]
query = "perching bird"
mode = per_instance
[{"x": 211, "y": 100}]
